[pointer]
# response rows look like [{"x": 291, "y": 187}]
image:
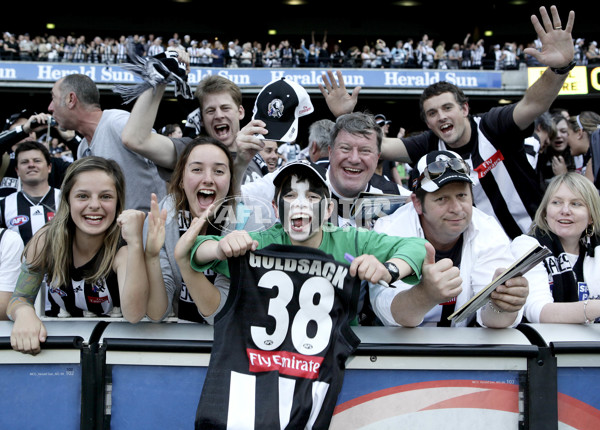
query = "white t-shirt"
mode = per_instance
[{"x": 11, "y": 248}]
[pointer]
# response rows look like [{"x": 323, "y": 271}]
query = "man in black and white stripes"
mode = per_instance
[
  {"x": 27, "y": 210},
  {"x": 492, "y": 143}
]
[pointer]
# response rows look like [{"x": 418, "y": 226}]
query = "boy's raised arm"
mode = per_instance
[{"x": 234, "y": 244}]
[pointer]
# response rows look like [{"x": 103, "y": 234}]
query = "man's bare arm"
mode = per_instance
[
  {"x": 393, "y": 148},
  {"x": 138, "y": 134},
  {"x": 557, "y": 52}
]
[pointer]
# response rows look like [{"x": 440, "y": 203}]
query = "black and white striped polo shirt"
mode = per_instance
[
  {"x": 20, "y": 214},
  {"x": 505, "y": 184}
]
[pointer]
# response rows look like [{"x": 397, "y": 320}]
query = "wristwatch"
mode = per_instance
[
  {"x": 564, "y": 70},
  {"x": 393, "y": 269}
]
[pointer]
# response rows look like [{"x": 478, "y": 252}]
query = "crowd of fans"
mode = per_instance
[{"x": 425, "y": 53}]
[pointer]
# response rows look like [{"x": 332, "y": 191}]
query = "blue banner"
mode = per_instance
[{"x": 25, "y": 72}]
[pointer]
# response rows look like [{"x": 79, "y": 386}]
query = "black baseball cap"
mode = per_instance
[
  {"x": 279, "y": 104},
  {"x": 381, "y": 120},
  {"x": 300, "y": 166}
]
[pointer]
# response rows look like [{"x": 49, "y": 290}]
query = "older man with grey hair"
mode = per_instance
[{"x": 319, "y": 134}]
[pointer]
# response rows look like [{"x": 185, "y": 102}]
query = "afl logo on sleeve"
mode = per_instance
[{"x": 280, "y": 341}]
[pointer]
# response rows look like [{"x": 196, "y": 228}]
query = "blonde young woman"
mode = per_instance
[
  {"x": 80, "y": 252},
  {"x": 566, "y": 287}
]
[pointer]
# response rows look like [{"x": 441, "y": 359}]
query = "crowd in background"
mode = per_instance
[{"x": 425, "y": 53}]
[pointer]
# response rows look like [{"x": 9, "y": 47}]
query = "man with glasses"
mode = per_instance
[{"x": 466, "y": 251}]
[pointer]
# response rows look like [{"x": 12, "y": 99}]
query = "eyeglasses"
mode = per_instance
[{"x": 438, "y": 168}]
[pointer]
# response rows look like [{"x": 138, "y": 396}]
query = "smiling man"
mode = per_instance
[
  {"x": 221, "y": 109},
  {"x": 354, "y": 148},
  {"x": 27, "y": 210},
  {"x": 493, "y": 142},
  {"x": 465, "y": 248},
  {"x": 264, "y": 161},
  {"x": 270, "y": 156}
]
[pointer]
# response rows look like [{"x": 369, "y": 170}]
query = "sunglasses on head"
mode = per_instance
[{"x": 438, "y": 168}]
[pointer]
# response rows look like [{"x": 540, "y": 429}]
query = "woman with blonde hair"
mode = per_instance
[
  {"x": 567, "y": 222},
  {"x": 87, "y": 267}
]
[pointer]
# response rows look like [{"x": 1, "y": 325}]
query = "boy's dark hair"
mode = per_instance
[
  {"x": 315, "y": 183},
  {"x": 32, "y": 145}
]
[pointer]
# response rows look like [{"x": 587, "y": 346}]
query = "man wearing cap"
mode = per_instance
[
  {"x": 466, "y": 250},
  {"x": 384, "y": 123}
]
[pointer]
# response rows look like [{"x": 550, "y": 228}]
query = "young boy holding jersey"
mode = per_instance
[{"x": 282, "y": 328}]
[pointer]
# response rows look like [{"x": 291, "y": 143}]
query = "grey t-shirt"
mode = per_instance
[{"x": 141, "y": 174}]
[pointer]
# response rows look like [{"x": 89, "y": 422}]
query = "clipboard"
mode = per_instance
[{"x": 531, "y": 258}]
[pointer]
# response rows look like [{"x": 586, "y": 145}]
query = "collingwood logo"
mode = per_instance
[{"x": 275, "y": 109}]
